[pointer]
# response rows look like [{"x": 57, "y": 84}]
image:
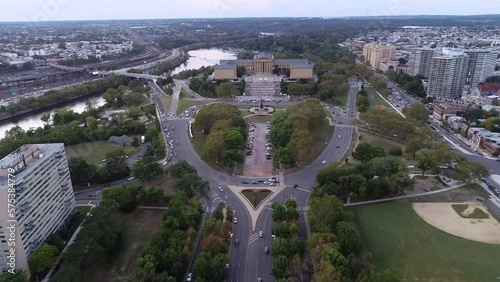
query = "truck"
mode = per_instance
[{"x": 143, "y": 139}]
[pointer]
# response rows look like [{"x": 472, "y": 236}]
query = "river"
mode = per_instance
[
  {"x": 35, "y": 120},
  {"x": 204, "y": 57},
  {"x": 197, "y": 59}
]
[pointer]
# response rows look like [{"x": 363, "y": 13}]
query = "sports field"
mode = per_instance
[{"x": 399, "y": 239}]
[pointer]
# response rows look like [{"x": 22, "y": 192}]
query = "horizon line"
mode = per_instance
[{"x": 256, "y": 17}]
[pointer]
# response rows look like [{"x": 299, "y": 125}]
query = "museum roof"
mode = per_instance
[
  {"x": 226, "y": 64},
  {"x": 263, "y": 55}
]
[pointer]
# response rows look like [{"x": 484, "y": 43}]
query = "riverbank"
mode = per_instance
[{"x": 21, "y": 114}]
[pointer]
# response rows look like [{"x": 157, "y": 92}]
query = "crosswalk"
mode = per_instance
[{"x": 254, "y": 237}]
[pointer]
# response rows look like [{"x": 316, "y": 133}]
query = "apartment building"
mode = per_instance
[
  {"x": 375, "y": 53},
  {"x": 447, "y": 75},
  {"x": 481, "y": 65},
  {"x": 39, "y": 180},
  {"x": 419, "y": 62}
]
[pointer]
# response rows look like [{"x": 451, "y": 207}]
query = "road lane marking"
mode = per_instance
[{"x": 254, "y": 237}]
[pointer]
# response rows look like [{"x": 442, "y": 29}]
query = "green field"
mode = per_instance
[
  {"x": 166, "y": 102},
  {"x": 184, "y": 94},
  {"x": 255, "y": 198},
  {"x": 198, "y": 142},
  {"x": 380, "y": 141},
  {"x": 95, "y": 152},
  {"x": 186, "y": 104},
  {"x": 399, "y": 239},
  {"x": 477, "y": 213},
  {"x": 376, "y": 100}
]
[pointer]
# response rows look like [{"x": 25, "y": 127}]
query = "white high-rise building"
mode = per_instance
[
  {"x": 447, "y": 74},
  {"x": 37, "y": 177},
  {"x": 420, "y": 61},
  {"x": 481, "y": 66}
]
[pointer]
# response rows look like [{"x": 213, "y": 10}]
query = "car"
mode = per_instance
[
  {"x": 266, "y": 250},
  {"x": 255, "y": 182},
  {"x": 261, "y": 234},
  {"x": 189, "y": 277},
  {"x": 323, "y": 162},
  {"x": 220, "y": 189},
  {"x": 259, "y": 280},
  {"x": 338, "y": 146},
  {"x": 131, "y": 178},
  {"x": 106, "y": 185},
  {"x": 235, "y": 220},
  {"x": 236, "y": 243},
  {"x": 244, "y": 182},
  {"x": 92, "y": 195},
  {"x": 165, "y": 162},
  {"x": 340, "y": 136},
  {"x": 295, "y": 186},
  {"x": 249, "y": 153},
  {"x": 173, "y": 128}
]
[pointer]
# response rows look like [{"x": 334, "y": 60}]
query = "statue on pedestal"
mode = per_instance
[{"x": 261, "y": 104}]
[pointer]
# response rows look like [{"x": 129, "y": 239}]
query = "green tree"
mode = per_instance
[
  {"x": 349, "y": 238},
  {"x": 365, "y": 152},
  {"x": 135, "y": 142},
  {"x": 417, "y": 111},
  {"x": 232, "y": 158},
  {"x": 225, "y": 90},
  {"x": 43, "y": 258},
  {"x": 234, "y": 139},
  {"x": 148, "y": 171},
  {"x": 327, "y": 273},
  {"x": 18, "y": 276},
  {"x": 125, "y": 200},
  {"x": 280, "y": 268},
  {"x": 284, "y": 156},
  {"x": 492, "y": 124},
  {"x": 181, "y": 168},
  {"x": 325, "y": 212},
  {"x": 426, "y": 160},
  {"x": 362, "y": 103},
  {"x": 471, "y": 171},
  {"x": 395, "y": 151}
]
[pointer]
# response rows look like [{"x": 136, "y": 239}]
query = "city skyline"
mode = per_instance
[{"x": 59, "y": 10}]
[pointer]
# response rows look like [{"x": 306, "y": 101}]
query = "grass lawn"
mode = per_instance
[
  {"x": 95, "y": 152},
  {"x": 321, "y": 136},
  {"x": 376, "y": 100},
  {"x": 399, "y": 239},
  {"x": 186, "y": 104},
  {"x": 138, "y": 228},
  {"x": 259, "y": 119},
  {"x": 184, "y": 94},
  {"x": 83, "y": 209},
  {"x": 380, "y": 141},
  {"x": 198, "y": 142},
  {"x": 477, "y": 213},
  {"x": 166, "y": 102},
  {"x": 256, "y": 197}
]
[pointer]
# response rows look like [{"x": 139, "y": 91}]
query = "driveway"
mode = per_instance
[{"x": 133, "y": 158}]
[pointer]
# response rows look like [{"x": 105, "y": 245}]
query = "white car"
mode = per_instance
[
  {"x": 235, "y": 220},
  {"x": 220, "y": 189},
  {"x": 131, "y": 178},
  {"x": 190, "y": 275},
  {"x": 323, "y": 162}
]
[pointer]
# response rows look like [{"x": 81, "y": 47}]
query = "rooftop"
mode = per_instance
[
  {"x": 490, "y": 87},
  {"x": 263, "y": 56},
  {"x": 26, "y": 156}
]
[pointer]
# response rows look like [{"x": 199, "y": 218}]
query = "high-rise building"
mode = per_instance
[
  {"x": 481, "y": 66},
  {"x": 35, "y": 180},
  {"x": 374, "y": 53},
  {"x": 447, "y": 74},
  {"x": 420, "y": 61}
]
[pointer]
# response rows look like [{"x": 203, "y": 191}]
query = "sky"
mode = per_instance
[{"x": 52, "y": 10}]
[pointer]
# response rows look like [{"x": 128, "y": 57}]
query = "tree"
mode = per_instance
[
  {"x": 327, "y": 273},
  {"x": 417, "y": 111},
  {"x": 362, "y": 103},
  {"x": 225, "y": 90},
  {"x": 471, "y": 171},
  {"x": 82, "y": 172},
  {"x": 18, "y": 276},
  {"x": 366, "y": 152},
  {"x": 180, "y": 168},
  {"x": 148, "y": 171},
  {"x": 61, "y": 45},
  {"x": 493, "y": 79},
  {"x": 234, "y": 139},
  {"x": 125, "y": 200},
  {"x": 280, "y": 268},
  {"x": 43, "y": 258},
  {"x": 325, "y": 212},
  {"x": 232, "y": 158},
  {"x": 279, "y": 212},
  {"x": 349, "y": 238},
  {"x": 284, "y": 156},
  {"x": 492, "y": 124},
  {"x": 395, "y": 151},
  {"x": 426, "y": 160},
  {"x": 135, "y": 142},
  {"x": 385, "y": 275}
]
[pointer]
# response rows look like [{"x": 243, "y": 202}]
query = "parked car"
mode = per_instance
[
  {"x": 131, "y": 178},
  {"x": 220, "y": 189},
  {"x": 244, "y": 182},
  {"x": 189, "y": 277},
  {"x": 235, "y": 220},
  {"x": 261, "y": 234},
  {"x": 266, "y": 250}
]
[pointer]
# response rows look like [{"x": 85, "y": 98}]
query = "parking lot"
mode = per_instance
[{"x": 258, "y": 161}]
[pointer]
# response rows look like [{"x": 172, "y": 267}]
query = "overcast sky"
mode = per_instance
[{"x": 39, "y": 10}]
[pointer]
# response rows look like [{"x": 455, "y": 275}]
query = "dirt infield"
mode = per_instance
[{"x": 445, "y": 218}]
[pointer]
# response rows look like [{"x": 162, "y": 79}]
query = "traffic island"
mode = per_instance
[{"x": 256, "y": 196}]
